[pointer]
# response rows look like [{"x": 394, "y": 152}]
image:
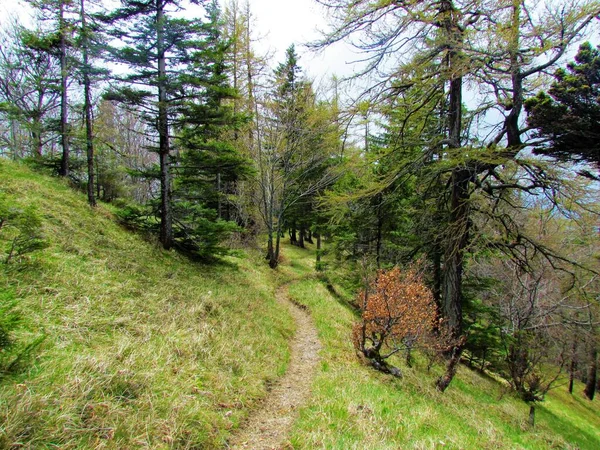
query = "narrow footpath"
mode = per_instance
[{"x": 268, "y": 427}]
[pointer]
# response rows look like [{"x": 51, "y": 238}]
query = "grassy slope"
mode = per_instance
[
  {"x": 143, "y": 349},
  {"x": 355, "y": 407}
]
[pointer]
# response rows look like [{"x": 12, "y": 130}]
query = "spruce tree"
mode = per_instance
[
  {"x": 57, "y": 41},
  {"x": 176, "y": 78},
  {"x": 208, "y": 161}
]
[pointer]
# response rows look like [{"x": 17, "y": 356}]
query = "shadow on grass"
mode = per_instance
[
  {"x": 570, "y": 431},
  {"x": 351, "y": 306}
]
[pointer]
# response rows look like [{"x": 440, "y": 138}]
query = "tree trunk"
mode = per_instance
[
  {"x": 379, "y": 232},
  {"x": 166, "y": 215},
  {"x": 309, "y": 236},
  {"x": 572, "y": 366},
  {"x": 87, "y": 106},
  {"x": 64, "y": 111},
  {"x": 37, "y": 143},
  {"x": 274, "y": 261},
  {"x": 451, "y": 367},
  {"x": 458, "y": 228},
  {"x": 301, "y": 237},
  {"x": 318, "y": 236},
  {"x": 270, "y": 249},
  {"x": 293, "y": 238},
  {"x": 219, "y": 211},
  {"x": 590, "y": 384},
  {"x": 532, "y": 415}
]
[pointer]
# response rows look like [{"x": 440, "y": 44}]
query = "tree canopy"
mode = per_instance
[{"x": 567, "y": 117}]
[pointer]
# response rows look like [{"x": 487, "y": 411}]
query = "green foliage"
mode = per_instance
[
  {"x": 199, "y": 232},
  {"x": 568, "y": 115},
  {"x": 20, "y": 231}
]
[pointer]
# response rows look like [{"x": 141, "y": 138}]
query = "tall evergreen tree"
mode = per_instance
[
  {"x": 209, "y": 160},
  {"x": 176, "y": 76},
  {"x": 155, "y": 47},
  {"x": 57, "y": 40}
]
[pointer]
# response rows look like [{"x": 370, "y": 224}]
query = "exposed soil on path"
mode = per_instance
[{"x": 268, "y": 427}]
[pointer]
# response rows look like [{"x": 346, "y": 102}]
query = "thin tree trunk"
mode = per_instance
[
  {"x": 437, "y": 277},
  {"x": 451, "y": 367},
  {"x": 219, "y": 212},
  {"x": 590, "y": 385},
  {"x": 274, "y": 262},
  {"x": 270, "y": 249},
  {"x": 64, "y": 111},
  {"x": 532, "y": 415},
  {"x": 379, "y": 233},
  {"x": 572, "y": 366},
  {"x": 166, "y": 218},
  {"x": 87, "y": 106},
  {"x": 293, "y": 237},
  {"x": 318, "y": 236},
  {"x": 301, "y": 237}
]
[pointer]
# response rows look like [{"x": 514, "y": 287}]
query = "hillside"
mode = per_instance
[
  {"x": 355, "y": 407},
  {"x": 141, "y": 348}
]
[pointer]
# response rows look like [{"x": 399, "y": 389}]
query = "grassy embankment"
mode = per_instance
[
  {"x": 144, "y": 349},
  {"x": 355, "y": 407},
  {"x": 141, "y": 348}
]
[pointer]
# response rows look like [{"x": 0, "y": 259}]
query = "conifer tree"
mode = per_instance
[
  {"x": 57, "y": 41},
  {"x": 208, "y": 159},
  {"x": 177, "y": 78},
  {"x": 28, "y": 94}
]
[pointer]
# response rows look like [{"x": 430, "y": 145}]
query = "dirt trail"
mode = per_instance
[{"x": 268, "y": 427}]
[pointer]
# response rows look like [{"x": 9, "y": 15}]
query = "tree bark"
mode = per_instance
[
  {"x": 532, "y": 415},
  {"x": 274, "y": 261},
  {"x": 270, "y": 249},
  {"x": 301, "y": 237},
  {"x": 458, "y": 235},
  {"x": 379, "y": 232},
  {"x": 572, "y": 366},
  {"x": 64, "y": 107},
  {"x": 166, "y": 215},
  {"x": 590, "y": 385},
  {"x": 318, "y": 236},
  {"x": 451, "y": 367},
  {"x": 293, "y": 237},
  {"x": 87, "y": 106}
]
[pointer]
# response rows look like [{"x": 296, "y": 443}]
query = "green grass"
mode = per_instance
[
  {"x": 142, "y": 348},
  {"x": 355, "y": 407}
]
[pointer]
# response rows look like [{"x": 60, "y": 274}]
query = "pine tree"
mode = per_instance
[
  {"x": 57, "y": 41},
  {"x": 209, "y": 160},
  {"x": 567, "y": 116},
  {"x": 179, "y": 67}
]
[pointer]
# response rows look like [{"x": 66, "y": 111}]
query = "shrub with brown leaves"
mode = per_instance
[{"x": 398, "y": 313}]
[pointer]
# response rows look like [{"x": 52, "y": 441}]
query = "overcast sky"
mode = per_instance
[
  {"x": 280, "y": 23},
  {"x": 283, "y": 23}
]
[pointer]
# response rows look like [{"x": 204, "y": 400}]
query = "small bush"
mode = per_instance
[
  {"x": 398, "y": 313},
  {"x": 20, "y": 232}
]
